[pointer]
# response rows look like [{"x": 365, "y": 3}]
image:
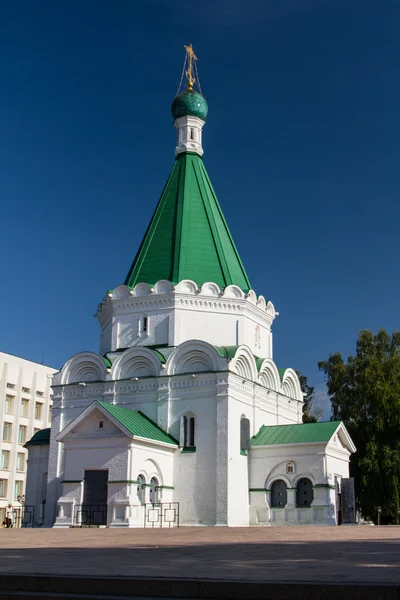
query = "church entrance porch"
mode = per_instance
[{"x": 93, "y": 511}]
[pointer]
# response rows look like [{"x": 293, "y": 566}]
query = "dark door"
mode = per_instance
[{"x": 95, "y": 490}]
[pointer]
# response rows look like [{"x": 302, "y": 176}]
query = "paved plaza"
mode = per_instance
[{"x": 300, "y": 554}]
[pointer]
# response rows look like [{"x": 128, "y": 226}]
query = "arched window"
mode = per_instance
[
  {"x": 278, "y": 494},
  {"x": 141, "y": 488},
  {"x": 154, "y": 490},
  {"x": 304, "y": 492},
  {"x": 244, "y": 433},
  {"x": 187, "y": 431}
]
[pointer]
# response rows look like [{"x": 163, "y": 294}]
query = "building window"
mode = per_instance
[
  {"x": 5, "y": 459},
  {"x": 278, "y": 494},
  {"x": 18, "y": 488},
  {"x": 11, "y": 386},
  {"x": 3, "y": 488},
  {"x": 154, "y": 490},
  {"x": 41, "y": 394},
  {"x": 24, "y": 408},
  {"x": 20, "y": 461},
  {"x": 187, "y": 431},
  {"x": 141, "y": 489},
  {"x": 26, "y": 390},
  {"x": 7, "y": 430},
  {"x": 191, "y": 133},
  {"x": 9, "y": 405},
  {"x": 38, "y": 410},
  {"x": 304, "y": 492},
  {"x": 22, "y": 434},
  {"x": 290, "y": 468},
  {"x": 101, "y": 424},
  {"x": 244, "y": 433}
]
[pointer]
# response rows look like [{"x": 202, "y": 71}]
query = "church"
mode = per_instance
[{"x": 183, "y": 417}]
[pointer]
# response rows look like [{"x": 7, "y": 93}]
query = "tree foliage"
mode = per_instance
[
  {"x": 365, "y": 395},
  {"x": 311, "y": 411}
]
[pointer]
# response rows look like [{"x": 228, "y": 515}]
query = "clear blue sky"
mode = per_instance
[{"x": 301, "y": 144}]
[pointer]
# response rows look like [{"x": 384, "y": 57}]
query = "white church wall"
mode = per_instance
[
  {"x": 240, "y": 405},
  {"x": 195, "y": 472},
  {"x": 186, "y": 312}
]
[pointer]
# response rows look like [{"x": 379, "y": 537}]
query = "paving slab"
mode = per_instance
[{"x": 338, "y": 555}]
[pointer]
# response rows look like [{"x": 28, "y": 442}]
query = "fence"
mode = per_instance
[
  {"x": 165, "y": 514},
  {"x": 23, "y": 516}
]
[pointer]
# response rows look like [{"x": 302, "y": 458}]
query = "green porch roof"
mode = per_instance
[
  {"x": 138, "y": 424},
  {"x": 303, "y": 433},
  {"x": 188, "y": 237},
  {"x": 41, "y": 438}
]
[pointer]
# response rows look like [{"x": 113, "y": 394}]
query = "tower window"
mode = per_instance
[
  {"x": 101, "y": 424},
  {"x": 145, "y": 324},
  {"x": 244, "y": 433},
  {"x": 187, "y": 431},
  {"x": 191, "y": 133}
]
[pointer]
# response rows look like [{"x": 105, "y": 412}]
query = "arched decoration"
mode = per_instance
[
  {"x": 304, "y": 492},
  {"x": 188, "y": 431},
  {"x": 244, "y": 433},
  {"x": 210, "y": 289},
  {"x": 269, "y": 375},
  {"x": 141, "y": 289},
  {"x": 233, "y": 291},
  {"x": 244, "y": 364},
  {"x": 275, "y": 475},
  {"x": 193, "y": 356},
  {"x": 163, "y": 287},
  {"x": 122, "y": 291},
  {"x": 154, "y": 495},
  {"x": 261, "y": 303},
  {"x": 83, "y": 368},
  {"x": 291, "y": 385},
  {"x": 141, "y": 488},
  {"x": 136, "y": 362},
  {"x": 270, "y": 310},
  {"x": 187, "y": 286},
  {"x": 251, "y": 297},
  {"x": 278, "y": 494}
]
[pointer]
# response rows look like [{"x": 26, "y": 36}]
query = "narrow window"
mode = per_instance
[
  {"x": 145, "y": 324},
  {"x": 244, "y": 433},
  {"x": 3, "y": 488},
  {"x": 101, "y": 424},
  {"x": 141, "y": 488},
  {"x": 154, "y": 490},
  {"x": 188, "y": 426},
  {"x": 191, "y": 133},
  {"x": 7, "y": 428}
]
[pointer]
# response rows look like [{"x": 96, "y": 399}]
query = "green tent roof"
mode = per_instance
[
  {"x": 138, "y": 424},
  {"x": 303, "y": 433},
  {"x": 188, "y": 237}
]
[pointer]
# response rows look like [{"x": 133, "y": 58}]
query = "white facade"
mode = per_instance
[
  {"x": 25, "y": 407},
  {"x": 214, "y": 481}
]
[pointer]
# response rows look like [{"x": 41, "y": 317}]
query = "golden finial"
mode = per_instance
[{"x": 191, "y": 57}]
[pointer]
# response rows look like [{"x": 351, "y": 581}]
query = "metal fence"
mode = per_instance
[
  {"x": 90, "y": 515},
  {"x": 23, "y": 516},
  {"x": 163, "y": 514}
]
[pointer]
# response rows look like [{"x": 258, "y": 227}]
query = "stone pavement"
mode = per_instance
[{"x": 367, "y": 555}]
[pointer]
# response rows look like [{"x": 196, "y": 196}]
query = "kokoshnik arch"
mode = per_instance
[{"x": 183, "y": 409}]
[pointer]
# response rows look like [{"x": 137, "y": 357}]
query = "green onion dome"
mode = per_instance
[{"x": 189, "y": 103}]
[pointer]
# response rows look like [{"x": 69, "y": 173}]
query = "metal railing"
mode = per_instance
[
  {"x": 161, "y": 514},
  {"x": 90, "y": 515},
  {"x": 23, "y": 516}
]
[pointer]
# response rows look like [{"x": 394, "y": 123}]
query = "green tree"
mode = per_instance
[
  {"x": 365, "y": 395},
  {"x": 311, "y": 411}
]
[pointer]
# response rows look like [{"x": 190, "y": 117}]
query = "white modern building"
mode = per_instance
[
  {"x": 25, "y": 409},
  {"x": 184, "y": 411}
]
